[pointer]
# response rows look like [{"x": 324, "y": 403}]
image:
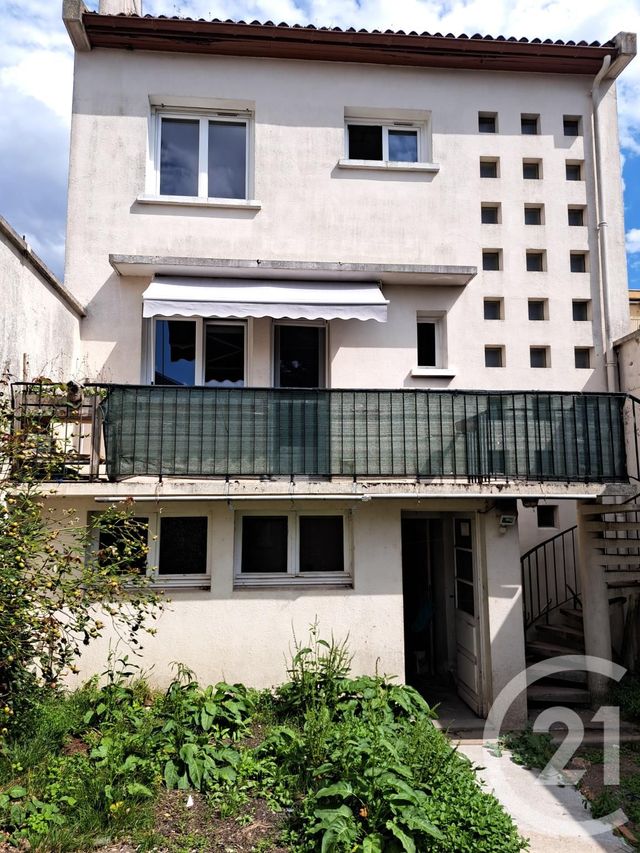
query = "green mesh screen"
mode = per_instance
[{"x": 204, "y": 432}]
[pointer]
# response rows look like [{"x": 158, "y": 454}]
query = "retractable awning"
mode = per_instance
[{"x": 293, "y": 300}]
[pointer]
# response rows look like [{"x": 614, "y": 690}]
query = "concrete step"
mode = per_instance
[
  {"x": 574, "y": 677},
  {"x": 616, "y": 580},
  {"x": 541, "y": 650},
  {"x": 561, "y": 635},
  {"x": 612, "y": 543},
  {"x": 600, "y": 526},
  {"x": 603, "y": 509},
  {"x": 618, "y": 560},
  {"x": 555, "y": 694},
  {"x": 573, "y": 616}
]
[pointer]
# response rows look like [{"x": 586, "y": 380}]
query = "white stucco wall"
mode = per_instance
[
  {"x": 34, "y": 322},
  {"x": 314, "y": 210}
]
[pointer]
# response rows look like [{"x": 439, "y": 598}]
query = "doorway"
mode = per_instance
[{"x": 441, "y": 612}]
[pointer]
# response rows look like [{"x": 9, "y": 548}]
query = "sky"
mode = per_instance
[{"x": 36, "y": 66}]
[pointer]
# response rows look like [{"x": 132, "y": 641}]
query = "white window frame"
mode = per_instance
[
  {"x": 293, "y": 576},
  {"x": 423, "y": 132},
  {"x": 199, "y": 368},
  {"x": 203, "y": 117},
  {"x": 441, "y": 368},
  {"x": 177, "y": 581}
]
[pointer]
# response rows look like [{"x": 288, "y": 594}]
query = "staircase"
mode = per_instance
[{"x": 551, "y": 592}]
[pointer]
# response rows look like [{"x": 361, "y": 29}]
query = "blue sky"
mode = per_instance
[{"x": 36, "y": 76}]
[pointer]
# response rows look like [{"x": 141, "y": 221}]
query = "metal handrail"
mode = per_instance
[{"x": 550, "y": 576}]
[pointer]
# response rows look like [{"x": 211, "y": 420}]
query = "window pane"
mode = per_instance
[
  {"x": 535, "y": 262},
  {"x": 492, "y": 309},
  {"x": 300, "y": 352},
  {"x": 531, "y": 171},
  {"x": 578, "y": 263},
  {"x": 582, "y": 357},
  {"x": 426, "y": 344},
  {"x": 124, "y": 544},
  {"x": 528, "y": 125},
  {"x": 321, "y": 543},
  {"x": 403, "y": 146},
  {"x": 489, "y": 214},
  {"x": 532, "y": 216},
  {"x": 536, "y": 309},
  {"x": 490, "y": 260},
  {"x": 486, "y": 123},
  {"x": 179, "y": 157},
  {"x": 264, "y": 543},
  {"x": 365, "y": 142},
  {"x": 227, "y": 159},
  {"x": 175, "y": 352},
  {"x": 493, "y": 356},
  {"x": 580, "y": 310},
  {"x": 464, "y": 597},
  {"x": 224, "y": 355},
  {"x": 538, "y": 357},
  {"x": 574, "y": 172},
  {"x": 183, "y": 546},
  {"x": 488, "y": 168},
  {"x": 576, "y": 216}
]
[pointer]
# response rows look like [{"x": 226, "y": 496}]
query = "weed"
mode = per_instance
[{"x": 528, "y": 748}]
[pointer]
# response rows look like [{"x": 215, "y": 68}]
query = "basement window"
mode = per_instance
[{"x": 273, "y": 548}]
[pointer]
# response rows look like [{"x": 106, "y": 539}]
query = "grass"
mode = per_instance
[{"x": 325, "y": 762}]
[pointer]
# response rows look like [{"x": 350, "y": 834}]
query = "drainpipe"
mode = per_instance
[{"x": 605, "y": 314}]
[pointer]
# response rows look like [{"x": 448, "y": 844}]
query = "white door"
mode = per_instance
[{"x": 467, "y": 615}]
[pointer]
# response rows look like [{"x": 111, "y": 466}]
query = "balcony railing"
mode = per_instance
[{"x": 125, "y": 431}]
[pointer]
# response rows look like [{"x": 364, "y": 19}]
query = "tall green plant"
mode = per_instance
[{"x": 58, "y": 589}]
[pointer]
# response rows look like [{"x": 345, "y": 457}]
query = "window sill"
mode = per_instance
[
  {"x": 187, "y": 583},
  {"x": 292, "y": 582},
  {"x": 192, "y": 201},
  {"x": 445, "y": 372},
  {"x": 388, "y": 166}
]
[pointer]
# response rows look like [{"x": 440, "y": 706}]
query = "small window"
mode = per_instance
[
  {"x": 493, "y": 309},
  {"x": 494, "y": 356},
  {"x": 202, "y": 156},
  {"x": 489, "y": 168},
  {"x": 538, "y": 309},
  {"x": 291, "y": 547},
  {"x": 428, "y": 333},
  {"x": 535, "y": 261},
  {"x": 533, "y": 214},
  {"x": 124, "y": 544},
  {"x": 487, "y": 122},
  {"x": 490, "y": 214},
  {"x": 582, "y": 357},
  {"x": 539, "y": 357},
  {"x": 529, "y": 125},
  {"x": 399, "y": 142},
  {"x": 581, "y": 310},
  {"x": 183, "y": 545},
  {"x": 547, "y": 515},
  {"x": 491, "y": 259},
  {"x": 578, "y": 261},
  {"x": 576, "y": 215},
  {"x": 573, "y": 171},
  {"x": 531, "y": 170},
  {"x": 571, "y": 125}
]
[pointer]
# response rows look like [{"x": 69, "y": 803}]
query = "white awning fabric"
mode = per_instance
[{"x": 294, "y": 300}]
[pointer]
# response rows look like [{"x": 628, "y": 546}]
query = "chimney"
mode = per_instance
[{"x": 118, "y": 7}]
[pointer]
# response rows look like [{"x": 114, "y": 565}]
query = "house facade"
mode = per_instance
[{"x": 350, "y": 321}]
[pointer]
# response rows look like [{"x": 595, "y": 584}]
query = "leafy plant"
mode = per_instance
[{"x": 529, "y": 748}]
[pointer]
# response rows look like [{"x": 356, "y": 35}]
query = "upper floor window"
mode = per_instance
[
  {"x": 202, "y": 156},
  {"x": 392, "y": 141},
  {"x": 197, "y": 352}
]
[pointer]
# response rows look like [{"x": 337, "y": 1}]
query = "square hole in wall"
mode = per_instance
[
  {"x": 487, "y": 122},
  {"x": 532, "y": 170},
  {"x": 575, "y": 215},
  {"x": 547, "y": 515},
  {"x": 490, "y": 213},
  {"x": 493, "y": 308},
  {"x": 581, "y": 310},
  {"x": 573, "y": 170},
  {"x": 489, "y": 167},
  {"x": 539, "y": 357},
  {"x": 491, "y": 259},
  {"x": 529, "y": 124},
  {"x": 578, "y": 261},
  {"x": 494, "y": 356},
  {"x": 582, "y": 357},
  {"x": 534, "y": 214},
  {"x": 538, "y": 309},
  {"x": 535, "y": 260}
]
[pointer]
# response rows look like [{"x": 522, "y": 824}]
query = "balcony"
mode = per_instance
[{"x": 119, "y": 431}]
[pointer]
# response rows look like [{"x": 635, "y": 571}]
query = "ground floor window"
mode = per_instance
[
  {"x": 177, "y": 547},
  {"x": 297, "y": 547}
]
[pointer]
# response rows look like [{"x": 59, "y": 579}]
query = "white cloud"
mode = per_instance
[{"x": 633, "y": 241}]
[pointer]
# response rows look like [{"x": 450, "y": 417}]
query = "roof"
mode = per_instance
[
  {"x": 39, "y": 267},
  {"x": 240, "y": 38}
]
